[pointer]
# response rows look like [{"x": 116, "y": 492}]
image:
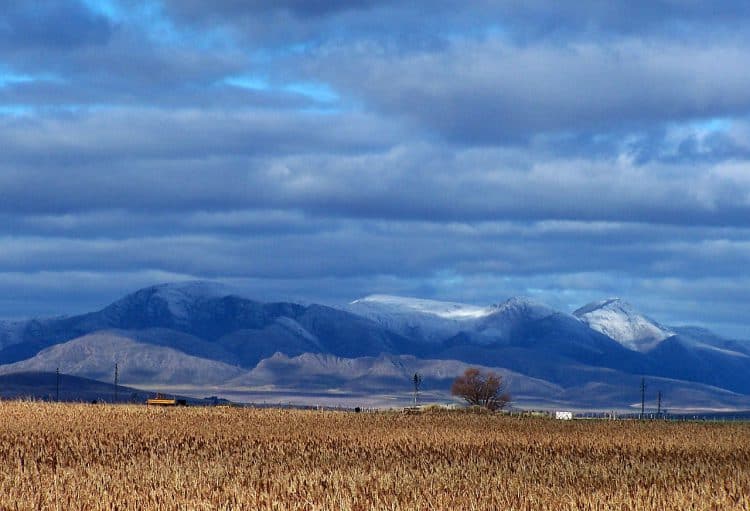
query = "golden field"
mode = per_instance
[{"x": 69, "y": 457}]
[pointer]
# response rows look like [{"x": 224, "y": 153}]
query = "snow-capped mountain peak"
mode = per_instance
[
  {"x": 612, "y": 303},
  {"x": 521, "y": 305},
  {"x": 170, "y": 302},
  {"x": 618, "y": 319},
  {"x": 180, "y": 296}
]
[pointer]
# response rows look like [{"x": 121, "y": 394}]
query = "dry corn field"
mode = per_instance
[{"x": 68, "y": 457}]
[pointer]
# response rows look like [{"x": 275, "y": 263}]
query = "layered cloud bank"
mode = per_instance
[{"x": 327, "y": 150}]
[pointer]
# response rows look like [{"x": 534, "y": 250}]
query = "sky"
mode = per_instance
[{"x": 323, "y": 150}]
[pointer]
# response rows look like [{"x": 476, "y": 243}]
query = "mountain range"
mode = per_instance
[{"x": 198, "y": 339}]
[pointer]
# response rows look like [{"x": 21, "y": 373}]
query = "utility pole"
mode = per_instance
[
  {"x": 417, "y": 380},
  {"x": 57, "y": 384},
  {"x": 116, "y": 381},
  {"x": 643, "y": 397},
  {"x": 658, "y": 405}
]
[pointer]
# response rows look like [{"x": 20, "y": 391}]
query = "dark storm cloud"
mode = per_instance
[
  {"x": 127, "y": 224},
  {"x": 326, "y": 150},
  {"x": 231, "y": 9},
  {"x": 51, "y": 24},
  {"x": 492, "y": 92},
  {"x": 122, "y": 73},
  {"x": 347, "y": 249},
  {"x": 196, "y": 160},
  {"x": 535, "y": 18},
  {"x": 485, "y": 87},
  {"x": 540, "y": 17},
  {"x": 290, "y": 23}
]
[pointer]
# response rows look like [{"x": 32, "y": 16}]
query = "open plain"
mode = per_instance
[{"x": 128, "y": 457}]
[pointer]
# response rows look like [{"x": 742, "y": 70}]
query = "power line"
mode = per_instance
[
  {"x": 658, "y": 404},
  {"x": 417, "y": 380},
  {"x": 643, "y": 397}
]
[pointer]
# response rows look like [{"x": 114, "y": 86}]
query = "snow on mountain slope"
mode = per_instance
[
  {"x": 522, "y": 306},
  {"x": 716, "y": 349},
  {"x": 174, "y": 301},
  {"x": 437, "y": 321},
  {"x": 505, "y": 317},
  {"x": 182, "y": 295},
  {"x": 400, "y": 304},
  {"x": 620, "y": 321},
  {"x": 430, "y": 320},
  {"x": 704, "y": 337}
]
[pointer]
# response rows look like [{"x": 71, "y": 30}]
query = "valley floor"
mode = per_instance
[{"x": 127, "y": 457}]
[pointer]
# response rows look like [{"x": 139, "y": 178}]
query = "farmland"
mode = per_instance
[{"x": 63, "y": 456}]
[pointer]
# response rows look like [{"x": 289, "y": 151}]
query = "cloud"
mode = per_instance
[
  {"x": 364, "y": 168},
  {"x": 524, "y": 19},
  {"x": 348, "y": 249},
  {"x": 231, "y": 9},
  {"x": 492, "y": 92},
  {"x": 657, "y": 268},
  {"x": 537, "y": 18},
  {"x": 323, "y": 150},
  {"x": 188, "y": 134},
  {"x": 52, "y": 24}
]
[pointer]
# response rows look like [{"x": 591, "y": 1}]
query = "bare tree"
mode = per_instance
[{"x": 482, "y": 389}]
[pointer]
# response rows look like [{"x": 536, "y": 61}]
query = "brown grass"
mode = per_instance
[{"x": 73, "y": 457}]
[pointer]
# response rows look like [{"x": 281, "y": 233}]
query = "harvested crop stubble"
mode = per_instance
[{"x": 57, "y": 456}]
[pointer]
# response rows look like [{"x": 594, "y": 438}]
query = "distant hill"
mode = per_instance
[
  {"x": 94, "y": 356},
  {"x": 43, "y": 385}
]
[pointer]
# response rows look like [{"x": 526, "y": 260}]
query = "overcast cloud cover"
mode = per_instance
[{"x": 321, "y": 150}]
